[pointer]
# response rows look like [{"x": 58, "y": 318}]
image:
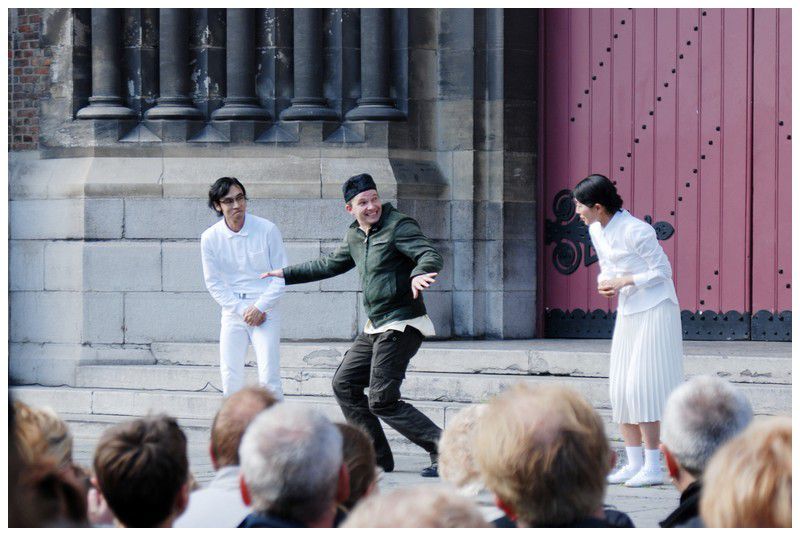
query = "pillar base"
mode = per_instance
[
  {"x": 375, "y": 112},
  {"x": 105, "y": 108},
  {"x": 173, "y": 108},
  {"x": 234, "y": 111},
  {"x": 306, "y": 111}
]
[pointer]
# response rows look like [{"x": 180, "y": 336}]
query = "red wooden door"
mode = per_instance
[{"x": 660, "y": 101}]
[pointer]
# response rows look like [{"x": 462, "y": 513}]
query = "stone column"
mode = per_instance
[
  {"x": 308, "y": 102},
  {"x": 106, "y": 101},
  {"x": 173, "y": 67},
  {"x": 240, "y": 101},
  {"x": 375, "y": 103}
]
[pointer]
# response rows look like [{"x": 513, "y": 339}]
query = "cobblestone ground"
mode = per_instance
[{"x": 646, "y": 506}]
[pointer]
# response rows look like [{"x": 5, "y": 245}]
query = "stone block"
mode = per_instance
[
  {"x": 489, "y": 168},
  {"x": 425, "y": 115},
  {"x": 422, "y": 66},
  {"x": 463, "y": 265},
  {"x": 463, "y": 314},
  {"x": 440, "y": 308},
  {"x": 447, "y": 275},
  {"x": 118, "y": 266},
  {"x": 456, "y": 29},
  {"x": 433, "y": 216},
  {"x": 519, "y": 177},
  {"x": 318, "y": 315},
  {"x": 63, "y": 265},
  {"x": 463, "y": 219},
  {"x": 463, "y": 178},
  {"x": 519, "y": 315},
  {"x": 489, "y": 119},
  {"x": 519, "y": 265},
  {"x": 456, "y": 75},
  {"x": 519, "y": 220},
  {"x": 298, "y": 252},
  {"x": 25, "y": 265},
  {"x": 348, "y": 281},
  {"x": 305, "y": 219},
  {"x": 182, "y": 267},
  {"x": 61, "y": 400},
  {"x": 168, "y": 316},
  {"x": 488, "y": 220},
  {"x": 102, "y": 317},
  {"x": 454, "y": 125},
  {"x": 103, "y": 218},
  {"x": 43, "y": 364},
  {"x": 167, "y": 218},
  {"x": 43, "y": 219},
  {"x": 124, "y": 177},
  {"x": 422, "y": 28},
  {"x": 45, "y": 317}
]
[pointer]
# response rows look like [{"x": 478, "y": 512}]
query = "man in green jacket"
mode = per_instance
[{"x": 396, "y": 262}]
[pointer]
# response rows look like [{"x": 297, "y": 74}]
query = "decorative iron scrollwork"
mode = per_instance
[{"x": 571, "y": 236}]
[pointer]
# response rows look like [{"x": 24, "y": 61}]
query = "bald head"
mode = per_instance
[{"x": 231, "y": 421}]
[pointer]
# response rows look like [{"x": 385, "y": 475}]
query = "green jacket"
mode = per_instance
[{"x": 387, "y": 259}]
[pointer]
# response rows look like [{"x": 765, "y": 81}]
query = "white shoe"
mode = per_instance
[
  {"x": 622, "y": 474},
  {"x": 646, "y": 477}
]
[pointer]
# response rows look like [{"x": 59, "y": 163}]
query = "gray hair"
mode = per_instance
[
  {"x": 700, "y": 416},
  {"x": 290, "y": 458}
]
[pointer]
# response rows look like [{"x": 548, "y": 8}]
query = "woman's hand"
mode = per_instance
[{"x": 610, "y": 287}]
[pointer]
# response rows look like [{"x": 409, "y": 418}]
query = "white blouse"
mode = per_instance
[{"x": 628, "y": 246}]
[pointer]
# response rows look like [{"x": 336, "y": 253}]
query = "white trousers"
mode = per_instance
[{"x": 234, "y": 337}]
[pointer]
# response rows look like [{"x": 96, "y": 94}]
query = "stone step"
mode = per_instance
[
  {"x": 749, "y": 362},
  {"x": 419, "y": 386}
]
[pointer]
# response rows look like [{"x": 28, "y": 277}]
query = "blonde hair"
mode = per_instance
[
  {"x": 748, "y": 482},
  {"x": 542, "y": 450},
  {"x": 41, "y": 436},
  {"x": 434, "y": 506},
  {"x": 457, "y": 463}
]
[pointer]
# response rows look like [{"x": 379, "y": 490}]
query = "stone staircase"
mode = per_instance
[{"x": 183, "y": 380}]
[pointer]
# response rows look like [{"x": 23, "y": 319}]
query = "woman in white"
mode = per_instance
[{"x": 647, "y": 347}]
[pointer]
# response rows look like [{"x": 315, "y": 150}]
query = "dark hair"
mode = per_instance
[
  {"x": 598, "y": 189},
  {"x": 232, "y": 419},
  {"x": 141, "y": 466},
  {"x": 220, "y": 189},
  {"x": 358, "y": 455}
]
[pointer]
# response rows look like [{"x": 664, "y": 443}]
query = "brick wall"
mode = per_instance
[{"x": 28, "y": 77}]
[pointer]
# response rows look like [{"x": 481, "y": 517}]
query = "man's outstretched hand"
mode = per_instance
[
  {"x": 273, "y": 273},
  {"x": 421, "y": 282}
]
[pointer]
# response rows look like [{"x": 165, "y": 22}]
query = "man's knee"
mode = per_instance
[
  {"x": 383, "y": 399},
  {"x": 342, "y": 390}
]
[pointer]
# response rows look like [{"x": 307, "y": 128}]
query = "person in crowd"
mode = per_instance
[
  {"x": 647, "y": 345},
  {"x": 396, "y": 263},
  {"x": 235, "y": 251},
  {"x": 437, "y": 506},
  {"x": 543, "y": 452},
  {"x": 457, "y": 464},
  {"x": 359, "y": 457},
  {"x": 748, "y": 482},
  {"x": 142, "y": 471},
  {"x": 220, "y": 504},
  {"x": 700, "y": 416},
  {"x": 292, "y": 472},
  {"x": 42, "y": 436}
]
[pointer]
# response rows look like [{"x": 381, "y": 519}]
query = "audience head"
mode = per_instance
[
  {"x": 748, "y": 481},
  {"x": 291, "y": 465},
  {"x": 416, "y": 507},
  {"x": 231, "y": 421},
  {"x": 41, "y": 436},
  {"x": 457, "y": 463},
  {"x": 700, "y": 416},
  {"x": 142, "y": 471},
  {"x": 359, "y": 458},
  {"x": 542, "y": 450}
]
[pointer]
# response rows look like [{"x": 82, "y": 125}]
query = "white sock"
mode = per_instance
[
  {"x": 652, "y": 459},
  {"x": 634, "y": 456}
]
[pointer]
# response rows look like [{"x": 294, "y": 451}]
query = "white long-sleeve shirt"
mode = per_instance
[
  {"x": 628, "y": 246},
  {"x": 233, "y": 262}
]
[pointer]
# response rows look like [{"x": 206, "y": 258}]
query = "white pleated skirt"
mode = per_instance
[{"x": 646, "y": 363}]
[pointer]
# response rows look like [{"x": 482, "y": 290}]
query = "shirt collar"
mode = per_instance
[
  {"x": 242, "y": 232},
  {"x": 614, "y": 221}
]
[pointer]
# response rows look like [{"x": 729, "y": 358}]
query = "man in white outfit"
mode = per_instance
[{"x": 235, "y": 251}]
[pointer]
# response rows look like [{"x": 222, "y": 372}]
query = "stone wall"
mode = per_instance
[{"x": 105, "y": 217}]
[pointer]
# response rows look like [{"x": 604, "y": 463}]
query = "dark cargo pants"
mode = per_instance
[{"x": 379, "y": 362}]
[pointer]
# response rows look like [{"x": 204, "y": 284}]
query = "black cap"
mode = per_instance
[{"x": 357, "y": 184}]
